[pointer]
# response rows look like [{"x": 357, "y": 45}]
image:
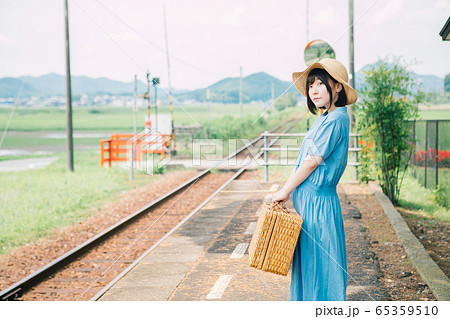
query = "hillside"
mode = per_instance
[
  {"x": 257, "y": 87},
  {"x": 55, "y": 84}
]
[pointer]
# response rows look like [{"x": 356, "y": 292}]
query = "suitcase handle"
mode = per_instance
[{"x": 283, "y": 208}]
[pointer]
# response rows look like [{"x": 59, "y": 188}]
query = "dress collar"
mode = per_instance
[{"x": 338, "y": 108}]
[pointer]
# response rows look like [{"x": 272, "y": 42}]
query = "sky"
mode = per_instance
[{"x": 209, "y": 40}]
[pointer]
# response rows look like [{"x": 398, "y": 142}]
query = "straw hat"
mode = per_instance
[{"x": 335, "y": 68}]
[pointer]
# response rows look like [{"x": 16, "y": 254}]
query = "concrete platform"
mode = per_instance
[
  {"x": 207, "y": 257},
  {"x": 199, "y": 255}
]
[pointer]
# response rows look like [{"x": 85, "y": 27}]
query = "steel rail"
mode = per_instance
[{"x": 18, "y": 289}]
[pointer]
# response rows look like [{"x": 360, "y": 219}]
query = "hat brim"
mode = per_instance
[{"x": 299, "y": 79}]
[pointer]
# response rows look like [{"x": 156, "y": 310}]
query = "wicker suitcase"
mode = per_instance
[{"x": 274, "y": 239}]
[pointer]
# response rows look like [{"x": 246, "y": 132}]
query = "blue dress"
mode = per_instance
[{"x": 319, "y": 265}]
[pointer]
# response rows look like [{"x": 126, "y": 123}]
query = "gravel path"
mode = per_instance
[{"x": 375, "y": 243}]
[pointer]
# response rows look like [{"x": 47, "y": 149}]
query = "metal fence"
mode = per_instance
[
  {"x": 266, "y": 149},
  {"x": 430, "y": 162}
]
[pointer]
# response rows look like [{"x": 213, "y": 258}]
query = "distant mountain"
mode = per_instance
[
  {"x": 430, "y": 83},
  {"x": 10, "y": 87},
  {"x": 55, "y": 84},
  {"x": 255, "y": 87},
  {"x": 258, "y": 87}
]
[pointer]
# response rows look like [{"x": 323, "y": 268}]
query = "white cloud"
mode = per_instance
[
  {"x": 6, "y": 41},
  {"x": 327, "y": 16},
  {"x": 386, "y": 11}
]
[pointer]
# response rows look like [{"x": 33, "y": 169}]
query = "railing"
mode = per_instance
[
  {"x": 431, "y": 158},
  {"x": 266, "y": 150},
  {"x": 119, "y": 145}
]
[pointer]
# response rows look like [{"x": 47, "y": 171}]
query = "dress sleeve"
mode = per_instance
[{"x": 327, "y": 137}]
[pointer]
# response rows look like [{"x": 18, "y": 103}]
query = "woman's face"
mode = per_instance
[{"x": 318, "y": 94}]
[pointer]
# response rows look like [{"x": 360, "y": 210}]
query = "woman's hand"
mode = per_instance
[{"x": 281, "y": 196}]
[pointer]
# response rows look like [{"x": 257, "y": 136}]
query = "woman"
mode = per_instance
[{"x": 319, "y": 265}]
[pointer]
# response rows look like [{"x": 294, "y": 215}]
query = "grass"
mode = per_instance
[
  {"x": 36, "y": 202},
  {"x": 415, "y": 197},
  {"x": 33, "y": 140},
  {"x": 434, "y": 114},
  {"x": 443, "y": 178},
  {"x": 17, "y": 157}
]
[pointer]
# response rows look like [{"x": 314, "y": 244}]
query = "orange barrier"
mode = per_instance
[{"x": 118, "y": 147}]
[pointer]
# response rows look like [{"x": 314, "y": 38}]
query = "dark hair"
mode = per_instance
[{"x": 323, "y": 76}]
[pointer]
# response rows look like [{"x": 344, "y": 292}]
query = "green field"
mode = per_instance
[
  {"x": 30, "y": 126},
  {"x": 435, "y": 114}
]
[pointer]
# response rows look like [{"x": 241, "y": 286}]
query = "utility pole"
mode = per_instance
[
  {"x": 240, "y": 92},
  {"x": 133, "y": 148},
  {"x": 351, "y": 57},
  {"x": 273, "y": 92},
  {"x": 148, "y": 123},
  {"x": 207, "y": 101},
  {"x": 307, "y": 21},
  {"x": 172, "y": 142},
  {"x": 155, "y": 85},
  {"x": 307, "y": 41},
  {"x": 69, "y": 129}
]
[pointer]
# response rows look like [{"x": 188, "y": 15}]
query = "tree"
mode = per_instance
[
  {"x": 387, "y": 103},
  {"x": 289, "y": 99},
  {"x": 447, "y": 83}
]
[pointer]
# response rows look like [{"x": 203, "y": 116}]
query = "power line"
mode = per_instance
[
  {"x": 12, "y": 113},
  {"x": 170, "y": 96},
  {"x": 140, "y": 34},
  {"x": 93, "y": 20}
]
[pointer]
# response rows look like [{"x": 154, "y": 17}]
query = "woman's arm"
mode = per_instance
[{"x": 297, "y": 177}]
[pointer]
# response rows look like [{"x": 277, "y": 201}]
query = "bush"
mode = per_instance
[
  {"x": 388, "y": 102},
  {"x": 287, "y": 100},
  {"x": 367, "y": 171},
  {"x": 439, "y": 196}
]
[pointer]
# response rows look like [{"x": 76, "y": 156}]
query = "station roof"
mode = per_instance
[{"x": 445, "y": 32}]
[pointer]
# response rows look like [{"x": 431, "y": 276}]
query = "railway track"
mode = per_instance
[{"x": 84, "y": 271}]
